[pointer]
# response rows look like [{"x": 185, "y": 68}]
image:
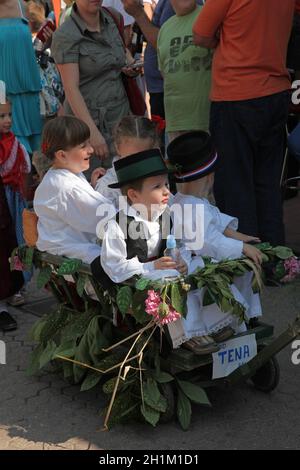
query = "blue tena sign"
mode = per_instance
[{"x": 241, "y": 353}]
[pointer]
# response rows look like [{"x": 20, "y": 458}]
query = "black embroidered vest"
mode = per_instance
[
  {"x": 138, "y": 247},
  {"x": 135, "y": 247}
]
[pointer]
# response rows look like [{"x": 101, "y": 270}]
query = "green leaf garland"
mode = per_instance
[
  {"x": 124, "y": 299},
  {"x": 70, "y": 266},
  {"x": 44, "y": 276}
]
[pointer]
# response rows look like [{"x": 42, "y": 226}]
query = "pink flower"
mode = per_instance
[
  {"x": 17, "y": 264},
  {"x": 152, "y": 302},
  {"x": 154, "y": 306},
  {"x": 292, "y": 269},
  {"x": 173, "y": 316}
]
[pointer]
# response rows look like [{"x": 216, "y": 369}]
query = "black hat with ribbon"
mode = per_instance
[
  {"x": 192, "y": 156},
  {"x": 139, "y": 166}
]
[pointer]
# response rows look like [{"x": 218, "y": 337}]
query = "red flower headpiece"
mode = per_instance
[
  {"x": 160, "y": 122},
  {"x": 45, "y": 147}
]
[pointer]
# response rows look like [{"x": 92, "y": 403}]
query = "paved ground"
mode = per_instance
[{"x": 46, "y": 413}]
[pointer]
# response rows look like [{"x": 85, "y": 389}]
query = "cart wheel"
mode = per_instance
[
  {"x": 267, "y": 377},
  {"x": 168, "y": 392}
]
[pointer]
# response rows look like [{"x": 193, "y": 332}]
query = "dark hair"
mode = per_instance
[
  {"x": 137, "y": 185},
  {"x": 136, "y": 127},
  {"x": 63, "y": 133}
]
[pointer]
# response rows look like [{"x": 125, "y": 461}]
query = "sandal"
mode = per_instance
[
  {"x": 223, "y": 334},
  {"x": 201, "y": 345}
]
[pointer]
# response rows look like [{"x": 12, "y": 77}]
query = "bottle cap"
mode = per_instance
[{"x": 171, "y": 241}]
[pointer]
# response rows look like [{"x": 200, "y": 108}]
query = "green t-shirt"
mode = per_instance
[{"x": 186, "y": 70}]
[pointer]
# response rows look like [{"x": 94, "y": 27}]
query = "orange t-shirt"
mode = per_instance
[{"x": 249, "y": 61}]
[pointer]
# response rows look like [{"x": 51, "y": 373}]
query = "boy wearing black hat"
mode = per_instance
[
  {"x": 135, "y": 244},
  {"x": 194, "y": 159}
]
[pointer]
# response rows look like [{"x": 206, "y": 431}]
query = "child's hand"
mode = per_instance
[
  {"x": 166, "y": 262},
  {"x": 252, "y": 253},
  {"x": 97, "y": 173},
  {"x": 182, "y": 267},
  {"x": 250, "y": 239}
]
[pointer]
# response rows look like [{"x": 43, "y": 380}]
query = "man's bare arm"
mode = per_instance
[
  {"x": 135, "y": 9},
  {"x": 208, "y": 43}
]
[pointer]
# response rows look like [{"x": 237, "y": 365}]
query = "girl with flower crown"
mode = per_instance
[
  {"x": 131, "y": 135},
  {"x": 65, "y": 202}
]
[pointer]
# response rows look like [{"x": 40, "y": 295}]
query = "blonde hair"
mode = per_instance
[
  {"x": 35, "y": 11},
  {"x": 136, "y": 127}
]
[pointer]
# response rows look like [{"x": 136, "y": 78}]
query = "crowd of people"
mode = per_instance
[{"x": 215, "y": 130}]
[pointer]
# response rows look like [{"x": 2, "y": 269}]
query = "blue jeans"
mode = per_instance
[{"x": 250, "y": 139}]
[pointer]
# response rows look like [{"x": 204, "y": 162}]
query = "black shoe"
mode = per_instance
[
  {"x": 7, "y": 322},
  {"x": 253, "y": 323}
]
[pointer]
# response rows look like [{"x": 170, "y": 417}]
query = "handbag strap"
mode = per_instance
[{"x": 119, "y": 22}]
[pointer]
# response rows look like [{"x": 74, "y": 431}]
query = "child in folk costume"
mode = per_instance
[
  {"x": 194, "y": 159},
  {"x": 65, "y": 203},
  {"x": 11, "y": 281},
  {"x": 143, "y": 179},
  {"x": 14, "y": 165},
  {"x": 135, "y": 246},
  {"x": 132, "y": 134}
]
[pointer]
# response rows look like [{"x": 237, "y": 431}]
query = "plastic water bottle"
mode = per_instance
[{"x": 172, "y": 250}]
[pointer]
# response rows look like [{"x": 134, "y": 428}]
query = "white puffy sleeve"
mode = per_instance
[
  {"x": 198, "y": 227},
  {"x": 225, "y": 221},
  {"x": 215, "y": 244},
  {"x": 101, "y": 187},
  {"x": 79, "y": 209},
  {"x": 114, "y": 256}
]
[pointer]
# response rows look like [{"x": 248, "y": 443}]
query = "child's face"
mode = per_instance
[
  {"x": 130, "y": 145},
  {"x": 154, "y": 195},
  {"x": 5, "y": 118},
  {"x": 77, "y": 159}
]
